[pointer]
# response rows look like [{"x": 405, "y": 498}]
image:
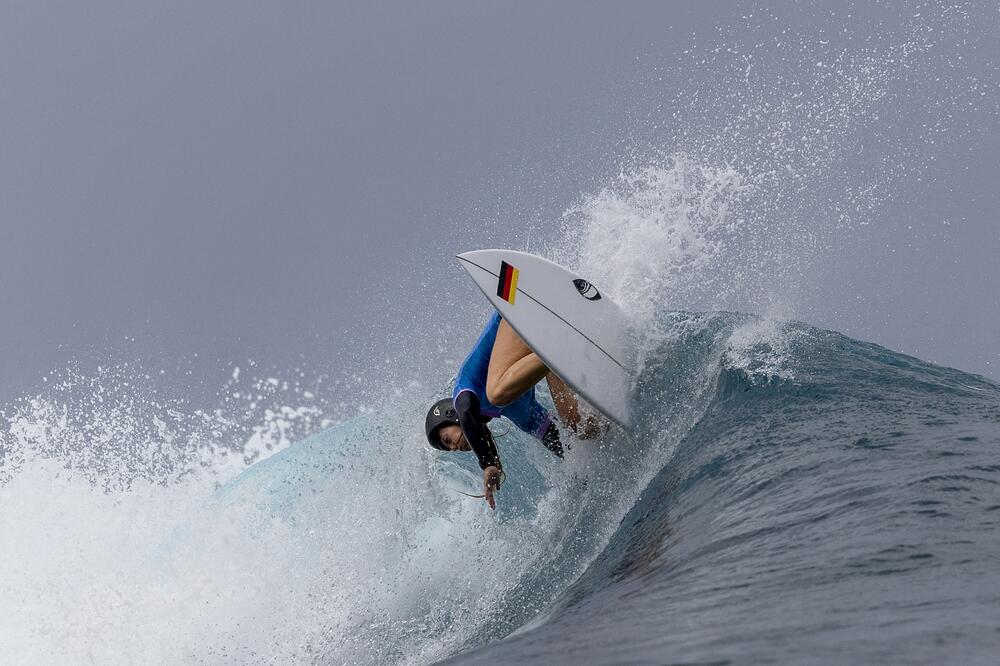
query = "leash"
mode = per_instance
[{"x": 503, "y": 480}]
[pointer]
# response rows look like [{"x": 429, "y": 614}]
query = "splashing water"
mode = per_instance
[{"x": 653, "y": 237}]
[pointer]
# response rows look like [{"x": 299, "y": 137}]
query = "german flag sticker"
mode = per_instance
[{"x": 507, "y": 285}]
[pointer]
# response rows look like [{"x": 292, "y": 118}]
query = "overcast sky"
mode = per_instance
[{"x": 192, "y": 184}]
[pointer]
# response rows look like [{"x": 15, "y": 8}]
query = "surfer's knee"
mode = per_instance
[
  {"x": 498, "y": 394},
  {"x": 507, "y": 383}
]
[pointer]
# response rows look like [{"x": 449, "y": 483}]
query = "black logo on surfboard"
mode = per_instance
[{"x": 587, "y": 290}]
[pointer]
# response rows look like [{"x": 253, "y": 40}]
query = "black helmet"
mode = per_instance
[{"x": 441, "y": 413}]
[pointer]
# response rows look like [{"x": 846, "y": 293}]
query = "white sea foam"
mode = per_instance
[{"x": 654, "y": 238}]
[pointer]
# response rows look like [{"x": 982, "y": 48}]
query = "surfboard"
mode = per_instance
[{"x": 580, "y": 333}]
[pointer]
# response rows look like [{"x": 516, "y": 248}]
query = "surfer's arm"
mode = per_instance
[{"x": 476, "y": 433}]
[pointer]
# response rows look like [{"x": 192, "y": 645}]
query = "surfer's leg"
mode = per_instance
[
  {"x": 514, "y": 368},
  {"x": 567, "y": 404}
]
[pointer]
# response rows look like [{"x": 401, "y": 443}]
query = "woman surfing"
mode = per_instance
[{"x": 498, "y": 378}]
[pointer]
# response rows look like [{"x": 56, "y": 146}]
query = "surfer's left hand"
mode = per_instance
[{"x": 491, "y": 484}]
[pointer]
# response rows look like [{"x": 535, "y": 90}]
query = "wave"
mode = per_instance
[{"x": 824, "y": 493}]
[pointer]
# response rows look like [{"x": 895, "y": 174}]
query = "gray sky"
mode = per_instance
[{"x": 289, "y": 181}]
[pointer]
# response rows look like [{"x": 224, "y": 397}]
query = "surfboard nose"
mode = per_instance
[{"x": 476, "y": 256}]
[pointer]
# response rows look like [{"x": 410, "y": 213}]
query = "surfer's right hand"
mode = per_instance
[{"x": 491, "y": 484}]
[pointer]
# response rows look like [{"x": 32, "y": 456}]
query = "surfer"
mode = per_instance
[{"x": 498, "y": 378}]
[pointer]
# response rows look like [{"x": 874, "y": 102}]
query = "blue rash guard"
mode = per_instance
[{"x": 526, "y": 412}]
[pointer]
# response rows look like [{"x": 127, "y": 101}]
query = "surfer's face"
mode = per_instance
[{"x": 453, "y": 439}]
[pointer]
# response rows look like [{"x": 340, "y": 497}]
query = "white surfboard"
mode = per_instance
[{"x": 578, "y": 332}]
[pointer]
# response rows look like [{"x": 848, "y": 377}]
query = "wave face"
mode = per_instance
[{"x": 851, "y": 514}]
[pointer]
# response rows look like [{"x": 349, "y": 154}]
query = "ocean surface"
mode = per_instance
[{"x": 788, "y": 494}]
